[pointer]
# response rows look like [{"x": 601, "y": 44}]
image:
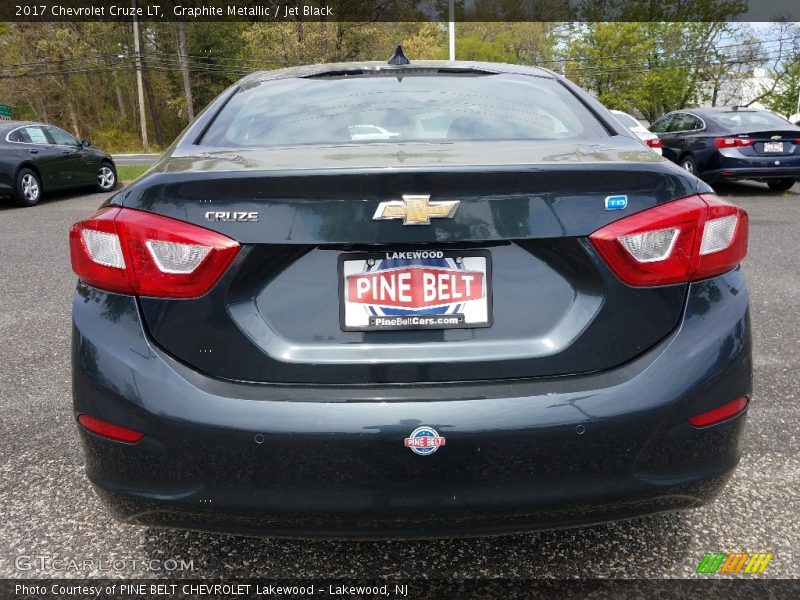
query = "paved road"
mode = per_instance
[
  {"x": 125, "y": 160},
  {"x": 48, "y": 508}
]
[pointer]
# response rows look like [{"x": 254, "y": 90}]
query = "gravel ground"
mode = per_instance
[{"x": 48, "y": 508}]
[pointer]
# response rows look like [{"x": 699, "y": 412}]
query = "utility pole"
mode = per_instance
[
  {"x": 451, "y": 26},
  {"x": 137, "y": 49},
  {"x": 183, "y": 52}
]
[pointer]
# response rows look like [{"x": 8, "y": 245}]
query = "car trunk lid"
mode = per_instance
[
  {"x": 275, "y": 316},
  {"x": 770, "y": 141}
]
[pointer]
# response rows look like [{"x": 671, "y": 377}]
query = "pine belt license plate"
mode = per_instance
[
  {"x": 415, "y": 289},
  {"x": 773, "y": 146}
]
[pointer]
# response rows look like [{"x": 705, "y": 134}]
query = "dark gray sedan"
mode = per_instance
[
  {"x": 509, "y": 314},
  {"x": 37, "y": 158},
  {"x": 729, "y": 144}
]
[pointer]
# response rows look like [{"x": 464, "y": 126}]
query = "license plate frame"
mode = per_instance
[
  {"x": 349, "y": 264},
  {"x": 773, "y": 147}
]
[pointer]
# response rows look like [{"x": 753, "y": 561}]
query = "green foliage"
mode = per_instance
[
  {"x": 518, "y": 43},
  {"x": 783, "y": 99},
  {"x": 214, "y": 50},
  {"x": 275, "y": 45},
  {"x": 81, "y": 76},
  {"x": 428, "y": 42},
  {"x": 609, "y": 59},
  {"x": 118, "y": 138},
  {"x": 130, "y": 172},
  {"x": 654, "y": 67}
]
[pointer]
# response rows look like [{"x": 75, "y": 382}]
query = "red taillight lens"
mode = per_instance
[
  {"x": 654, "y": 143},
  {"x": 732, "y": 142},
  {"x": 719, "y": 414},
  {"x": 134, "y": 252},
  {"x": 683, "y": 240},
  {"x": 109, "y": 430}
]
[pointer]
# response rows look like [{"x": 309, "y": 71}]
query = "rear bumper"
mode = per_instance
[
  {"x": 761, "y": 173},
  {"x": 349, "y": 522},
  {"x": 330, "y": 460}
]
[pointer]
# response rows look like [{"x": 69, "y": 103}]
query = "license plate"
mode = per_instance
[
  {"x": 415, "y": 289},
  {"x": 773, "y": 146}
]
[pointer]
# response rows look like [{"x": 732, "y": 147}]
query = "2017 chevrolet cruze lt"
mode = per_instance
[{"x": 509, "y": 315}]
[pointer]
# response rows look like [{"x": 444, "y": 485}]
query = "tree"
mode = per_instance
[
  {"x": 783, "y": 98},
  {"x": 728, "y": 71},
  {"x": 656, "y": 67},
  {"x": 216, "y": 56},
  {"x": 273, "y": 45},
  {"x": 782, "y": 65},
  {"x": 183, "y": 53},
  {"x": 518, "y": 43},
  {"x": 610, "y": 59},
  {"x": 59, "y": 72}
]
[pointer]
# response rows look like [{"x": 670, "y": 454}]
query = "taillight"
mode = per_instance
[
  {"x": 109, "y": 430},
  {"x": 720, "y": 413},
  {"x": 134, "y": 252},
  {"x": 683, "y": 240},
  {"x": 732, "y": 142},
  {"x": 654, "y": 143}
]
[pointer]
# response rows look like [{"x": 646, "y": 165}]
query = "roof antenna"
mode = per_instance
[{"x": 398, "y": 58}]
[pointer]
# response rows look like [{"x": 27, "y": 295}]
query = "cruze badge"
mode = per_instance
[
  {"x": 416, "y": 210},
  {"x": 239, "y": 217},
  {"x": 424, "y": 440}
]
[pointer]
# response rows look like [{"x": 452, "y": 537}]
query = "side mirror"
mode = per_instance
[{"x": 86, "y": 143}]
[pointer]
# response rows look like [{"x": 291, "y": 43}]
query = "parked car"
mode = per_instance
[
  {"x": 529, "y": 322},
  {"x": 370, "y": 132},
  {"x": 37, "y": 158},
  {"x": 644, "y": 134},
  {"x": 726, "y": 144}
]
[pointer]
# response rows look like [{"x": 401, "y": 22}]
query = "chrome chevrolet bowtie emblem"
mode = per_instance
[{"x": 416, "y": 210}]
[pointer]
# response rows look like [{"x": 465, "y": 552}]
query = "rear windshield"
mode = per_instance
[
  {"x": 740, "y": 118},
  {"x": 388, "y": 108}
]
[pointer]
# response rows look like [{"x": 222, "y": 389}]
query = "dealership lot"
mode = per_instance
[{"x": 47, "y": 508}]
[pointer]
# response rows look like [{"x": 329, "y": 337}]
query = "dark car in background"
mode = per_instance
[
  {"x": 726, "y": 144},
  {"x": 510, "y": 314},
  {"x": 36, "y": 158}
]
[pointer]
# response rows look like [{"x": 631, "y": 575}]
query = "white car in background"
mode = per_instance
[
  {"x": 371, "y": 132},
  {"x": 647, "y": 136}
]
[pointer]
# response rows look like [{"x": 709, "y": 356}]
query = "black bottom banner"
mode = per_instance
[{"x": 139, "y": 589}]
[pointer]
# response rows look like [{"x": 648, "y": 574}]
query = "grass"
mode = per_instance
[
  {"x": 130, "y": 172},
  {"x": 112, "y": 148}
]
